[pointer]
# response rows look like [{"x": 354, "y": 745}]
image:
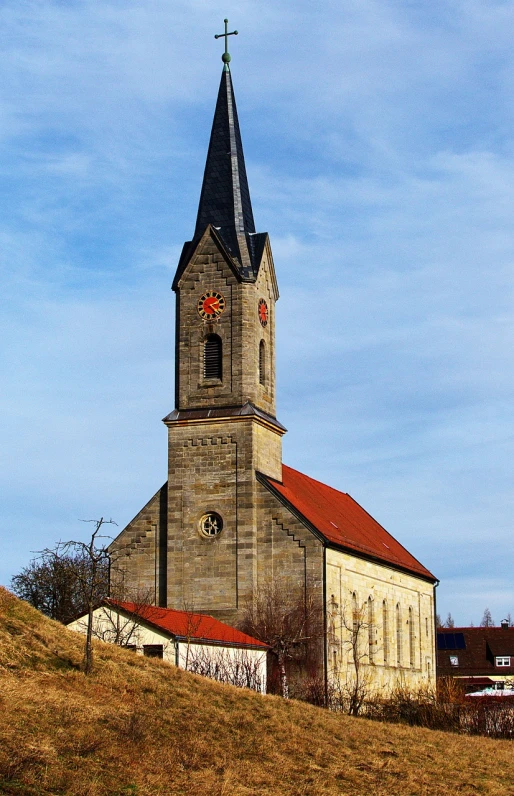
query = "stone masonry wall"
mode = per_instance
[
  {"x": 402, "y": 639},
  {"x": 212, "y": 468},
  {"x": 238, "y": 327},
  {"x": 138, "y": 553}
]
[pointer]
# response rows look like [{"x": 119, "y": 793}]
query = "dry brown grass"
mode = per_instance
[{"x": 139, "y": 726}]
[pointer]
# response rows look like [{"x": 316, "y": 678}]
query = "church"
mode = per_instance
[{"x": 231, "y": 519}]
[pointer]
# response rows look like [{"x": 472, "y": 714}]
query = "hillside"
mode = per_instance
[{"x": 139, "y": 726}]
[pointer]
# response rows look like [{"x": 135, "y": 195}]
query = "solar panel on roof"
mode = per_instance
[{"x": 451, "y": 641}]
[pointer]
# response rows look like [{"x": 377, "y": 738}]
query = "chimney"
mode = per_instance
[{"x": 504, "y": 624}]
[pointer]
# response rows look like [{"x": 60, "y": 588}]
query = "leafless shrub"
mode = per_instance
[
  {"x": 447, "y": 709},
  {"x": 310, "y": 688},
  {"x": 492, "y": 716},
  {"x": 235, "y": 667}
]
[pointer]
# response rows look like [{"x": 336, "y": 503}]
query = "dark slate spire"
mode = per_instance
[{"x": 225, "y": 198}]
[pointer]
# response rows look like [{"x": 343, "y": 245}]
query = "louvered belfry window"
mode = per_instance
[
  {"x": 212, "y": 357},
  {"x": 262, "y": 363}
]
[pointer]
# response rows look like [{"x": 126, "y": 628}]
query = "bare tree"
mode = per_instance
[
  {"x": 50, "y": 584},
  {"x": 285, "y": 620},
  {"x": 118, "y": 619},
  {"x": 89, "y": 580},
  {"x": 359, "y": 643},
  {"x": 487, "y": 620},
  {"x": 450, "y": 622},
  {"x": 193, "y": 621}
]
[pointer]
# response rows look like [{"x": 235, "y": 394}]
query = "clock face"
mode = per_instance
[
  {"x": 263, "y": 312},
  {"x": 210, "y": 305}
]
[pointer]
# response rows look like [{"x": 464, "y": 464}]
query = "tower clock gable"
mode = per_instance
[{"x": 225, "y": 347}]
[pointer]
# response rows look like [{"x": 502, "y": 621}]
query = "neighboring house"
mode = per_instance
[
  {"x": 196, "y": 642},
  {"x": 231, "y": 519},
  {"x": 479, "y": 657}
]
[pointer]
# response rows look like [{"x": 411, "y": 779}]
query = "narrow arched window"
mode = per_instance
[
  {"x": 212, "y": 357},
  {"x": 371, "y": 630},
  {"x": 385, "y": 631},
  {"x": 411, "y": 638},
  {"x": 398, "y": 635},
  {"x": 262, "y": 362}
]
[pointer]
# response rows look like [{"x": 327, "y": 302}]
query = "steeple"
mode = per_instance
[{"x": 225, "y": 197}]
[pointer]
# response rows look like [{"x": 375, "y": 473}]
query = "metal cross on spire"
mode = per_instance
[{"x": 226, "y": 55}]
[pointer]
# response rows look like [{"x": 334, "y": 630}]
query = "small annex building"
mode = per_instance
[
  {"x": 479, "y": 657},
  {"x": 191, "y": 641},
  {"x": 231, "y": 521}
]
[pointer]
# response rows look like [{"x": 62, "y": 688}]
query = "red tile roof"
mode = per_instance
[
  {"x": 342, "y": 522},
  {"x": 185, "y": 624}
]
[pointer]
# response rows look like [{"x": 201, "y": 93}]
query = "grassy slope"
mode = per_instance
[{"x": 138, "y": 726}]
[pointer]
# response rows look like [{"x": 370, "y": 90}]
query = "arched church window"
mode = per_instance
[
  {"x": 385, "y": 631},
  {"x": 411, "y": 638},
  {"x": 262, "y": 362},
  {"x": 355, "y": 622},
  {"x": 212, "y": 357},
  {"x": 398, "y": 635},
  {"x": 371, "y": 630}
]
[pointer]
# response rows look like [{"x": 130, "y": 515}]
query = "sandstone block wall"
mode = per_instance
[
  {"x": 138, "y": 554},
  {"x": 400, "y": 627},
  {"x": 238, "y": 327},
  {"x": 212, "y": 468}
]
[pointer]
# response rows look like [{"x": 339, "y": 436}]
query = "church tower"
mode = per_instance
[
  {"x": 223, "y": 428},
  {"x": 195, "y": 543}
]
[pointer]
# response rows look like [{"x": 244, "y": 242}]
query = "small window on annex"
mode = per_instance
[
  {"x": 212, "y": 357},
  {"x": 153, "y": 650},
  {"x": 503, "y": 660},
  {"x": 454, "y": 660}
]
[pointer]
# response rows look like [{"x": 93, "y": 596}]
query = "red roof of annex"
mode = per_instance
[
  {"x": 342, "y": 522},
  {"x": 185, "y": 624}
]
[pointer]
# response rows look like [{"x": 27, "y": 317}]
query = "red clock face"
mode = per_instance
[
  {"x": 263, "y": 312},
  {"x": 210, "y": 305}
]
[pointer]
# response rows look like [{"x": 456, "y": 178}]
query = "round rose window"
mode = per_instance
[{"x": 211, "y": 524}]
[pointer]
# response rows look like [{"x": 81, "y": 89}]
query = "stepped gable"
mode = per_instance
[{"x": 341, "y": 521}]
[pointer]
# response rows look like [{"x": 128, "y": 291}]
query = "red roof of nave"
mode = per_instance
[
  {"x": 185, "y": 624},
  {"x": 342, "y": 522}
]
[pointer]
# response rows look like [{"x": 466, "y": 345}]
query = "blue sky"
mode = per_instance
[{"x": 380, "y": 154}]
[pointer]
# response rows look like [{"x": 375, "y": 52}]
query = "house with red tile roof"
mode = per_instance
[
  {"x": 191, "y": 641},
  {"x": 232, "y": 528},
  {"x": 478, "y": 657}
]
